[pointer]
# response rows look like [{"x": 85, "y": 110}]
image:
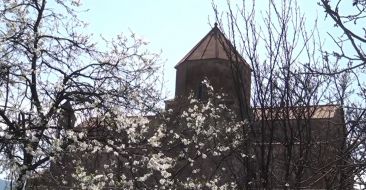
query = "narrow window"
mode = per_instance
[{"x": 201, "y": 92}]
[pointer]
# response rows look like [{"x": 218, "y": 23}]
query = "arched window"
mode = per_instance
[{"x": 201, "y": 92}]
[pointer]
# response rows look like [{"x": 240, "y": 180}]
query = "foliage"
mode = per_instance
[
  {"x": 53, "y": 77},
  {"x": 346, "y": 64},
  {"x": 207, "y": 140},
  {"x": 197, "y": 148}
]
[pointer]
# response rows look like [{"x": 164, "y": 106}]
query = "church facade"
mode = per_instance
[{"x": 297, "y": 147}]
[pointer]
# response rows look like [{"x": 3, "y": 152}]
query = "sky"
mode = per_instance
[{"x": 173, "y": 27}]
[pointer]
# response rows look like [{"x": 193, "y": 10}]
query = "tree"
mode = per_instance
[
  {"x": 346, "y": 63},
  {"x": 53, "y": 77},
  {"x": 346, "y": 16}
]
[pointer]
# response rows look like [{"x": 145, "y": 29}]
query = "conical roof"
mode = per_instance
[{"x": 213, "y": 46}]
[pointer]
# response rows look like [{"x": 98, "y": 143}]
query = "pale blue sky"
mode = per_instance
[{"x": 171, "y": 26}]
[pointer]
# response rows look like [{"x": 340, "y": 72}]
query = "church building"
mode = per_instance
[{"x": 297, "y": 147}]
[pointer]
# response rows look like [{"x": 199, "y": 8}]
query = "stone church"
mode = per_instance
[
  {"x": 298, "y": 147},
  {"x": 293, "y": 147}
]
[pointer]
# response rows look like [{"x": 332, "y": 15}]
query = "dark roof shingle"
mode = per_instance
[{"x": 213, "y": 46}]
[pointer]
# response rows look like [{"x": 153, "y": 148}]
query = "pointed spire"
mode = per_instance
[{"x": 213, "y": 46}]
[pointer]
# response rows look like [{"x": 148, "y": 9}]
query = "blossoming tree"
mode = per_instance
[
  {"x": 74, "y": 115},
  {"x": 53, "y": 78}
]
